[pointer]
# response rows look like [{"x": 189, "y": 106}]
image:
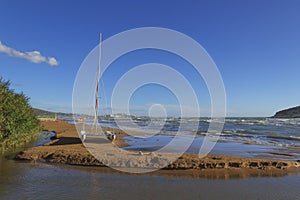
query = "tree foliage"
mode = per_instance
[{"x": 18, "y": 124}]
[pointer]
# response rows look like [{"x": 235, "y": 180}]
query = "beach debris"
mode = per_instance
[
  {"x": 111, "y": 136},
  {"x": 82, "y": 135}
]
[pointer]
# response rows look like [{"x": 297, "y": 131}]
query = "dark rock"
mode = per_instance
[
  {"x": 281, "y": 165},
  {"x": 235, "y": 164},
  {"x": 253, "y": 164}
]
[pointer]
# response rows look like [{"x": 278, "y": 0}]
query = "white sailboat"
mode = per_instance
[{"x": 111, "y": 136}]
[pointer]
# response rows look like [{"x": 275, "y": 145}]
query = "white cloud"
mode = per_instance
[
  {"x": 52, "y": 61},
  {"x": 32, "y": 56}
]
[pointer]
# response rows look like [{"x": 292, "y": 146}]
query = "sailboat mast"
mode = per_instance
[{"x": 98, "y": 82}]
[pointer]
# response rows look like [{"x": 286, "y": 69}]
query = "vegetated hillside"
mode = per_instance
[
  {"x": 288, "y": 113},
  {"x": 18, "y": 124},
  {"x": 40, "y": 112},
  {"x": 45, "y": 113}
]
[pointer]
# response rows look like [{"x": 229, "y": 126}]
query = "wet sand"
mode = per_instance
[{"x": 67, "y": 148}]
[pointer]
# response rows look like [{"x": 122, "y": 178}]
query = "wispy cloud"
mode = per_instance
[{"x": 32, "y": 56}]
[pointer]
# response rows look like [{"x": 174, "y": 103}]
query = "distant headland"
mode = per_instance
[{"x": 288, "y": 113}]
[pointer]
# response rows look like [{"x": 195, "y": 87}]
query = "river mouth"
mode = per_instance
[
  {"x": 33, "y": 180},
  {"x": 23, "y": 180}
]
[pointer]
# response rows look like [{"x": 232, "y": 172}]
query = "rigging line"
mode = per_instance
[
  {"x": 97, "y": 85},
  {"x": 104, "y": 96}
]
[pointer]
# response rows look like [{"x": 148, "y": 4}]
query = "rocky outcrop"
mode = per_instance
[{"x": 288, "y": 113}]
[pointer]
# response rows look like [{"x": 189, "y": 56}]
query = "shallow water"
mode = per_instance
[
  {"x": 246, "y": 137},
  {"x": 262, "y": 131},
  {"x": 21, "y": 180},
  {"x": 223, "y": 147}
]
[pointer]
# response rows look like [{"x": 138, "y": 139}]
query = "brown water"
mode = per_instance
[{"x": 21, "y": 180}]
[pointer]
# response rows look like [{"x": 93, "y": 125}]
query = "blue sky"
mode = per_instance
[{"x": 255, "y": 44}]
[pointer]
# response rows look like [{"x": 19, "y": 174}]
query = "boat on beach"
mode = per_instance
[{"x": 95, "y": 129}]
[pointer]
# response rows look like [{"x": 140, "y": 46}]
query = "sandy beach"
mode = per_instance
[{"x": 67, "y": 148}]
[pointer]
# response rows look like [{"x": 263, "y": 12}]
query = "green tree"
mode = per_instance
[{"x": 18, "y": 124}]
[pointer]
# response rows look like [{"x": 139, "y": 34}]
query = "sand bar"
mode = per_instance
[{"x": 67, "y": 148}]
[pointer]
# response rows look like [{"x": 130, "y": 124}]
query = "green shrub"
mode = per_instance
[{"x": 18, "y": 124}]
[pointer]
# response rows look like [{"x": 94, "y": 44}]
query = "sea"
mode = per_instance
[{"x": 258, "y": 137}]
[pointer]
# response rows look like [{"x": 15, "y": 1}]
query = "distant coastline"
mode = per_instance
[{"x": 288, "y": 113}]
